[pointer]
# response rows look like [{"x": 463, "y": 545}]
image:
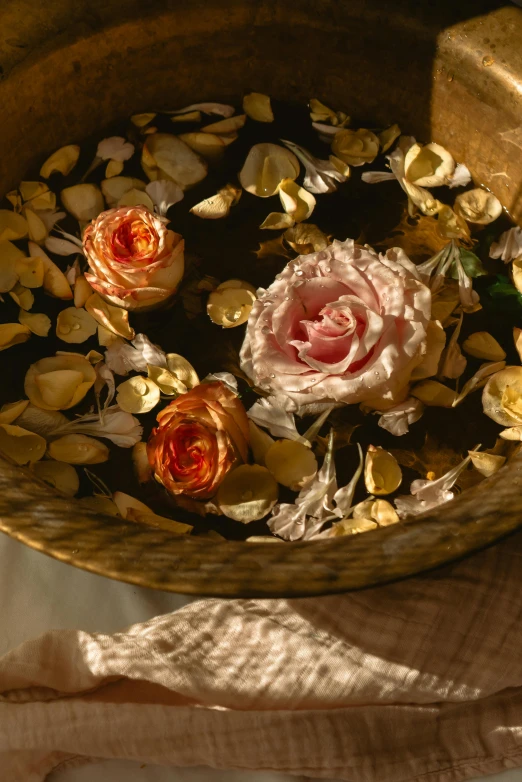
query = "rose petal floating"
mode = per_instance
[
  {"x": 164, "y": 194},
  {"x": 382, "y": 474},
  {"x": 190, "y": 116},
  {"x": 461, "y": 176},
  {"x": 388, "y": 137},
  {"x": 100, "y": 504},
  {"x": 229, "y": 125},
  {"x": 486, "y": 463},
  {"x": 59, "y": 382},
  {"x": 478, "y": 206},
  {"x": 138, "y": 395},
  {"x": 428, "y": 165},
  {"x": 222, "y": 109},
  {"x": 435, "y": 344},
  {"x": 166, "y": 156},
  {"x": 115, "y": 148},
  {"x": 136, "y": 197},
  {"x": 38, "y": 323},
  {"x": 178, "y": 377},
  {"x": 13, "y": 334},
  {"x": 219, "y": 205},
  {"x": 321, "y": 176},
  {"x": 22, "y": 296},
  {"x": 115, "y": 188},
  {"x": 59, "y": 475},
  {"x": 75, "y": 325},
  {"x": 257, "y": 106},
  {"x": 509, "y": 245},
  {"x": 355, "y": 147},
  {"x": 434, "y": 394},
  {"x": 265, "y": 167},
  {"x": 291, "y": 463},
  {"x": 296, "y": 201},
  {"x": 230, "y": 304},
  {"x": 82, "y": 291},
  {"x": 12, "y": 226},
  {"x": 306, "y": 238},
  {"x": 260, "y": 442},
  {"x": 38, "y": 194},
  {"x": 12, "y": 410},
  {"x": 62, "y": 161},
  {"x": 276, "y": 221},
  {"x": 134, "y": 510},
  {"x": 141, "y": 463},
  {"x": 482, "y": 345},
  {"x": 247, "y": 493},
  {"x": 20, "y": 445},
  {"x": 141, "y": 120},
  {"x": 85, "y": 202},
  {"x": 502, "y": 397},
  {"x": 78, "y": 449},
  {"x": 209, "y": 145}
]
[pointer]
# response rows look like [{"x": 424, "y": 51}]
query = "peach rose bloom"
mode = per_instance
[
  {"x": 135, "y": 262},
  {"x": 201, "y": 435},
  {"x": 343, "y": 325}
]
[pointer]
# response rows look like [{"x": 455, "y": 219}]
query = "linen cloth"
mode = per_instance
[{"x": 416, "y": 680}]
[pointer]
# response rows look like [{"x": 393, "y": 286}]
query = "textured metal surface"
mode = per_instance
[{"x": 67, "y": 68}]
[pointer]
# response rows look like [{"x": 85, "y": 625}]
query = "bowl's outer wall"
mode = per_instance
[{"x": 68, "y": 68}]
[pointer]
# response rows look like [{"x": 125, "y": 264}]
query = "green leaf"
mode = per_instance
[
  {"x": 502, "y": 297},
  {"x": 472, "y": 264}
]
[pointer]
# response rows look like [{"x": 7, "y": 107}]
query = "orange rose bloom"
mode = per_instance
[
  {"x": 135, "y": 262},
  {"x": 201, "y": 435}
]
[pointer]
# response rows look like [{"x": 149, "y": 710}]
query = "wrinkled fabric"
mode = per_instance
[{"x": 417, "y": 680}]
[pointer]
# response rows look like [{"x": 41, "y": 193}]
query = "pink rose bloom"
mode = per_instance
[
  {"x": 343, "y": 325},
  {"x": 135, "y": 261}
]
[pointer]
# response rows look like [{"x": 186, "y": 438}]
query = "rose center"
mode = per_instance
[
  {"x": 188, "y": 451},
  {"x": 132, "y": 240},
  {"x": 331, "y": 332}
]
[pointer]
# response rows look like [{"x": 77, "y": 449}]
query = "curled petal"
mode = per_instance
[
  {"x": 138, "y": 395},
  {"x": 257, "y": 107},
  {"x": 247, "y": 493},
  {"x": 78, "y": 449},
  {"x": 478, "y": 206},
  {"x": 265, "y": 167},
  {"x": 62, "y": 161}
]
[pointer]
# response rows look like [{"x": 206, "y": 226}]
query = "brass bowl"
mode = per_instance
[{"x": 448, "y": 72}]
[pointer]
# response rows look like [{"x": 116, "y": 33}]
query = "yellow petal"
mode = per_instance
[
  {"x": 247, "y": 493},
  {"x": 78, "y": 449},
  {"x": 136, "y": 197},
  {"x": 428, "y": 166},
  {"x": 12, "y": 226},
  {"x": 388, "y": 137},
  {"x": 37, "y": 322},
  {"x": 306, "y": 238},
  {"x": 22, "y": 296},
  {"x": 517, "y": 338},
  {"x": 382, "y": 474},
  {"x": 384, "y": 513},
  {"x": 75, "y": 325},
  {"x": 257, "y": 106},
  {"x": 297, "y": 202},
  {"x": 138, "y": 395},
  {"x": 481, "y": 344},
  {"x": 167, "y": 156},
  {"x": 85, "y": 202},
  {"x": 516, "y": 271},
  {"x": 141, "y": 463},
  {"x": 38, "y": 194},
  {"x": 115, "y": 188},
  {"x": 478, "y": 206},
  {"x": 125, "y": 503},
  {"x": 20, "y": 445},
  {"x": 265, "y": 167},
  {"x": 277, "y": 220},
  {"x": 82, "y": 291},
  {"x": 167, "y": 382},
  {"x": 62, "y": 161},
  {"x": 218, "y": 205},
  {"x": 291, "y": 463},
  {"x": 502, "y": 397},
  {"x": 37, "y": 229},
  {"x": 10, "y": 411},
  {"x": 10, "y": 257},
  {"x": 112, "y": 318},
  {"x": 105, "y": 337},
  {"x": 30, "y": 272},
  {"x": 352, "y": 527},
  {"x": 141, "y": 120},
  {"x": 435, "y": 343},
  {"x": 161, "y": 522},
  {"x": 452, "y": 225},
  {"x": 320, "y": 112},
  {"x": 12, "y": 334},
  {"x": 54, "y": 281},
  {"x": 190, "y": 116},
  {"x": 434, "y": 394},
  {"x": 209, "y": 145},
  {"x": 229, "y": 125},
  {"x": 260, "y": 442},
  {"x": 62, "y": 391},
  {"x": 487, "y": 464},
  {"x": 230, "y": 304},
  {"x": 60, "y": 475},
  {"x": 182, "y": 369},
  {"x": 114, "y": 168},
  {"x": 355, "y": 147}
]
